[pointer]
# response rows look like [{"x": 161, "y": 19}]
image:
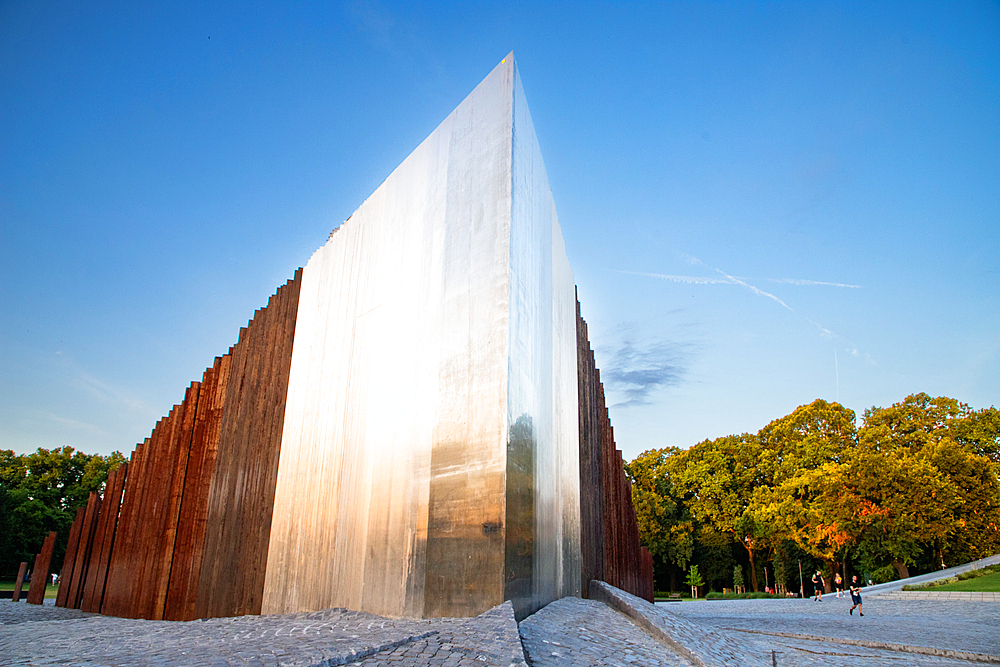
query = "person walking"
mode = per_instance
[
  {"x": 817, "y": 580},
  {"x": 838, "y": 583},
  {"x": 856, "y": 597}
]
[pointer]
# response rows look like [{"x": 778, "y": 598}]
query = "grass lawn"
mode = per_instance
[
  {"x": 989, "y": 583},
  {"x": 50, "y": 590}
]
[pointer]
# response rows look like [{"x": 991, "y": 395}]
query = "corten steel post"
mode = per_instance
[
  {"x": 40, "y": 574},
  {"x": 66, "y": 573},
  {"x": 21, "y": 571},
  {"x": 83, "y": 548},
  {"x": 186, "y": 568},
  {"x": 97, "y": 573}
]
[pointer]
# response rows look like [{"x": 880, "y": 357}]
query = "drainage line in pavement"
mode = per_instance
[{"x": 904, "y": 648}]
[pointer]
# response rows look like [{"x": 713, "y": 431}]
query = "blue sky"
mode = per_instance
[{"x": 763, "y": 203}]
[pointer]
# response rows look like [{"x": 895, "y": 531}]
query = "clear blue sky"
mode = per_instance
[{"x": 763, "y": 203}]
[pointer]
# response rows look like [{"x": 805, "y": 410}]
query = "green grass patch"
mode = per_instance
[
  {"x": 50, "y": 590},
  {"x": 988, "y": 583},
  {"x": 986, "y": 580}
]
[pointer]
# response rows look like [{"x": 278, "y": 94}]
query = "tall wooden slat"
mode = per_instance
[
  {"x": 609, "y": 532},
  {"x": 118, "y": 589},
  {"x": 93, "y": 591},
  {"x": 241, "y": 497},
  {"x": 40, "y": 573},
  {"x": 190, "y": 542},
  {"x": 153, "y": 511},
  {"x": 83, "y": 549},
  {"x": 19, "y": 584},
  {"x": 66, "y": 573}
]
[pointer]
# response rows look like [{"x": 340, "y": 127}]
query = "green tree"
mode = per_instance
[
  {"x": 40, "y": 492},
  {"x": 802, "y": 456},
  {"x": 738, "y": 578},
  {"x": 717, "y": 478},
  {"x": 694, "y": 580},
  {"x": 665, "y": 524},
  {"x": 937, "y": 488}
]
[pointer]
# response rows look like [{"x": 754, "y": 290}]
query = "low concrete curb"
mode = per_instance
[
  {"x": 702, "y": 646},
  {"x": 902, "y": 648},
  {"x": 973, "y": 596},
  {"x": 892, "y": 586}
]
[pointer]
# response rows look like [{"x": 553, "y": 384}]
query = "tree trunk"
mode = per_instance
[
  {"x": 901, "y": 569},
  {"x": 828, "y": 580},
  {"x": 753, "y": 570}
]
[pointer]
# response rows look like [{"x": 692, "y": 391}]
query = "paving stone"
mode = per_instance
[
  {"x": 53, "y": 636},
  {"x": 953, "y": 625},
  {"x": 572, "y": 631}
]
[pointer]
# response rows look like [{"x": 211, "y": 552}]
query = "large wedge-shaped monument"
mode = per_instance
[{"x": 412, "y": 427}]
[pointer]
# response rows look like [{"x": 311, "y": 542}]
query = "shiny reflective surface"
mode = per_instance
[{"x": 428, "y": 461}]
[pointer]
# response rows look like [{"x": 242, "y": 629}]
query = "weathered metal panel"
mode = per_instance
[
  {"x": 66, "y": 573},
  {"x": 97, "y": 573},
  {"x": 83, "y": 549},
  {"x": 190, "y": 541},
  {"x": 40, "y": 573},
  {"x": 241, "y": 494},
  {"x": 19, "y": 584}
]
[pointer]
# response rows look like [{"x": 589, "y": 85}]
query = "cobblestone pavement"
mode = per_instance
[
  {"x": 939, "y": 595},
  {"x": 567, "y": 632},
  {"x": 46, "y": 635},
  {"x": 702, "y": 644},
  {"x": 572, "y": 631},
  {"x": 954, "y": 625}
]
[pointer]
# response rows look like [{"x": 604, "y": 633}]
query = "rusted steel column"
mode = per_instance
[
  {"x": 118, "y": 589},
  {"x": 21, "y": 571},
  {"x": 97, "y": 573},
  {"x": 40, "y": 574},
  {"x": 609, "y": 532},
  {"x": 591, "y": 481},
  {"x": 66, "y": 573},
  {"x": 190, "y": 541},
  {"x": 241, "y": 495},
  {"x": 82, "y": 559}
]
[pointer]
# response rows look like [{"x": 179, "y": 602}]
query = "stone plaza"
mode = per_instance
[{"x": 615, "y": 629}]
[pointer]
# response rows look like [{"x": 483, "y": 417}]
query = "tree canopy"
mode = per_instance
[
  {"x": 40, "y": 492},
  {"x": 916, "y": 484}
]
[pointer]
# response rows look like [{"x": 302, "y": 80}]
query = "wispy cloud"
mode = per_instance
[
  {"x": 735, "y": 280},
  {"x": 755, "y": 290},
  {"x": 729, "y": 279},
  {"x": 637, "y": 370},
  {"x": 75, "y": 424},
  {"x": 796, "y": 281},
  {"x": 691, "y": 280}
]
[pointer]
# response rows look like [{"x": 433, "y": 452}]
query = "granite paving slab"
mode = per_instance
[
  {"x": 572, "y": 631},
  {"x": 950, "y": 625},
  {"x": 323, "y": 638},
  {"x": 703, "y": 644}
]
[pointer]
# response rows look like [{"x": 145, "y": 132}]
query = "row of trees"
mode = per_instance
[
  {"x": 40, "y": 492},
  {"x": 916, "y": 487}
]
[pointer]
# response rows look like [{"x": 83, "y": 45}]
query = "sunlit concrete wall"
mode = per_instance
[{"x": 429, "y": 455}]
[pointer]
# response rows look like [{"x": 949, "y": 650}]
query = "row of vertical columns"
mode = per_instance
[
  {"x": 139, "y": 552},
  {"x": 609, "y": 532}
]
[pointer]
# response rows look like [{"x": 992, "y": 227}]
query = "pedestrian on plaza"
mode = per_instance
[
  {"x": 856, "y": 597},
  {"x": 817, "y": 580},
  {"x": 838, "y": 583}
]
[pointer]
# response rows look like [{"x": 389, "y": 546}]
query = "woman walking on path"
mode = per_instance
[
  {"x": 856, "y": 597},
  {"x": 818, "y": 585},
  {"x": 838, "y": 583}
]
